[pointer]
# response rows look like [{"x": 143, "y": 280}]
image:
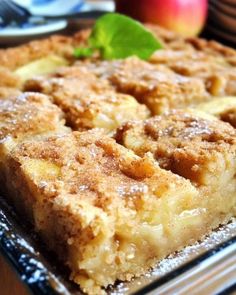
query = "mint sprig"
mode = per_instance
[
  {"x": 83, "y": 52},
  {"x": 116, "y": 36}
]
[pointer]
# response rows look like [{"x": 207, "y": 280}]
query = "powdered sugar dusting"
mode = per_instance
[{"x": 173, "y": 261}]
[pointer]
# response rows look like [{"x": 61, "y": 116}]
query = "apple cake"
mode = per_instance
[{"x": 110, "y": 208}]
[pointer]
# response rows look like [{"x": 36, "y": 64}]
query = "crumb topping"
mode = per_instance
[{"x": 28, "y": 113}]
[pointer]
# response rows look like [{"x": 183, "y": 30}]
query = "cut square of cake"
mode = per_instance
[
  {"x": 192, "y": 144},
  {"x": 87, "y": 101},
  {"x": 218, "y": 75},
  {"x": 58, "y": 45},
  {"x": 210, "y": 61},
  {"x": 157, "y": 87},
  {"x": 214, "y": 49},
  {"x": 25, "y": 116},
  {"x": 28, "y": 114},
  {"x": 38, "y": 57},
  {"x": 196, "y": 146},
  {"x": 109, "y": 214}
]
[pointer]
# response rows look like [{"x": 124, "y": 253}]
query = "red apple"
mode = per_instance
[{"x": 186, "y": 17}]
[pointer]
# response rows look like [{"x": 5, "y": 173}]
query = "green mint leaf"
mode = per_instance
[
  {"x": 83, "y": 52},
  {"x": 117, "y": 36}
]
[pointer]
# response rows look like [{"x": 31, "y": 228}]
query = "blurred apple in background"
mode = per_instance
[{"x": 186, "y": 17}]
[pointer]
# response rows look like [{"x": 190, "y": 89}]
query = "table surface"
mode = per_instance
[{"x": 9, "y": 281}]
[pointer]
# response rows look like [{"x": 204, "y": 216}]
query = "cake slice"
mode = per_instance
[
  {"x": 28, "y": 114},
  {"x": 87, "y": 101},
  {"x": 218, "y": 75},
  {"x": 170, "y": 39},
  {"x": 25, "y": 116},
  {"x": 38, "y": 57},
  {"x": 157, "y": 87},
  {"x": 174, "y": 42},
  {"x": 196, "y": 146},
  {"x": 213, "y": 48},
  {"x": 62, "y": 46},
  {"x": 184, "y": 142},
  {"x": 107, "y": 213}
]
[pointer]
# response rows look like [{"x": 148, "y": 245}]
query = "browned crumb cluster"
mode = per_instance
[{"x": 218, "y": 75}]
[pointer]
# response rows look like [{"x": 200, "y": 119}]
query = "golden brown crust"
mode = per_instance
[
  {"x": 12, "y": 58},
  {"x": 156, "y": 86},
  {"x": 87, "y": 101},
  {"x": 70, "y": 81},
  {"x": 211, "y": 61},
  {"x": 216, "y": 72},
  {"x": 176, "y": 42},
  {"x": 160, "y": 91},
  {"x": 208, "y": 60},
  {"x": 90, "y": 152},
  {"x": 213, "y": 48},
  {"x": 28, "y": 114},
  {"x": 168, "y": 38}
]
